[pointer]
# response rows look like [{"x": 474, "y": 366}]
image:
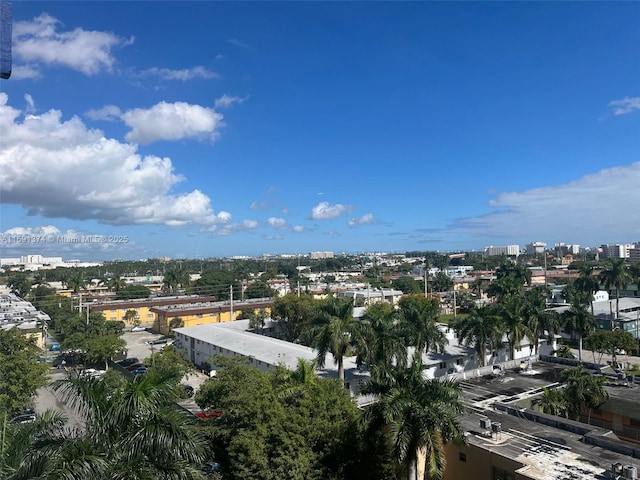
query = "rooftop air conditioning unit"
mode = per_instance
[
  {"x": 630, "y": 471},
  {"x": 485, "y": 424},
  {"x": 496, "y": 427}
]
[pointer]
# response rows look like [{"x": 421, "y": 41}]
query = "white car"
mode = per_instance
[{"x": 138, "y": 329}]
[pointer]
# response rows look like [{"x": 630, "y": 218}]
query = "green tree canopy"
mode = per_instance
[{"x": 20, "y": 372}]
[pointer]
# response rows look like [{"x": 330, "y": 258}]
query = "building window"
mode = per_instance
[
  {"x": 149, "y": 315},
  {"x": 113, "y": 319},
  {"x": 462, "y": 456},
  {"x": 113, "y": 311},
  {"x": 499, "y": 474},
  {"x": 199, "y": 315},
  {"x": 443, "y": 365}
]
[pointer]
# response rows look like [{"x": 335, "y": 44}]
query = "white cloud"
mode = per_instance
[
  {"x": 259, "y": 205},
  {"x": 367, "y": 219},
  {"x": 31, "y": 107},
  {"x": 57, "y": 168},
  {"x": 230, "y": 229},
  {"x": 20, "y": 72},
  {"x": 298, "y": 228},
  {"x": 108, "y": 112},
  {"x": 226, "y": 101},
  {"x": 625, "y": 106},
  {"x": 600, "y": 207},
  {"x": 172, "y": 121},
  {"x": 277, "y": 223},
  {"x": 326, "y": 211},
  {"x": 238, "y": 43},
  {"x": 88, "y": 52},
  {"x": 183, "y": 74}
]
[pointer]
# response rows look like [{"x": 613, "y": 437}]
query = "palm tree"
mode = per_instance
[
  {"x": 586, "y": 285},
  {"x": 115, "y": 283},
  {"x": 480, "y": 329},
  {"x": 132, "y": 430},
  {"x": 75, "y": 281},
  {"x": 421, "y": 415},
  {"x": 578, "y": 320},
  {"x": 333, "y": 330},
  {"x": 617, "y": 276},
  {"x": 536, "y": 316},
  {"x": 583, "y": 390},
  {"x": 552, "y": 401},
  {"x": 513, "y": 314},
  {"x": 380, "y": 339},
  {"x": 418, "y": 317}
]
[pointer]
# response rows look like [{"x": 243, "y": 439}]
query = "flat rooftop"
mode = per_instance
[{"x": 575, "y": 452}]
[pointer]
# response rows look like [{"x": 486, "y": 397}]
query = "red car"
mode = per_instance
[{"x": 208, "y": 413}]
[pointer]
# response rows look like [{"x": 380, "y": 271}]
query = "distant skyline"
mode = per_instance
[{"x": 218, "y": 129}]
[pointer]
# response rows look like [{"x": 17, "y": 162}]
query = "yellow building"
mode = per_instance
[
  {"x": 116, "y": 310},
  {"x": 189, "y": 315}
]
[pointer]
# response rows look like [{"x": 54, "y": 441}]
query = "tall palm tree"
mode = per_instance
[
  {"x": 132, "y": 430},
  {"x": 583, "y": 390},
  {"x": 421, "y": 415},
  {"x": 586, "y": 285},
  {"x": 616, "y": 276},
  {"x": 579, "y": 321},
  {"x": 380, "y": 339},
  {"x": 418, "y": 320},
  {"x": 115, "y": 283},
  {"x": 536, "y": 316},
  {"x": 480, "y": 329},
  {"x": 552, "y": 401},
  {"x": 513, "y": 313},
  {"x": 333, "y": 331}
]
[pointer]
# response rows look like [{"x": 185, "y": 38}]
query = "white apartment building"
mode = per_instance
[
  {"x": 615, "y": 251},
  {"x": 508, "y": 250},
  {"x": 535, "y": 248}
]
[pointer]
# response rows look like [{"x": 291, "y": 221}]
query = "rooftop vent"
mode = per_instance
[
  {"x": 630, "y": 471},
  {"x": 485, "y": 424},
  {"x": 496, "y": 427}
]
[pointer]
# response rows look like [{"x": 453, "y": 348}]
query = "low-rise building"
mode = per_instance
[
  {"x": 170, "y": 317},
  {"x": 116, "y": 310}
]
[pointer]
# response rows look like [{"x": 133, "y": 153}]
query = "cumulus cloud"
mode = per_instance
[
  {"x": 326, "y": 211},
  {"x": 298, "y": 228},
  {"x": 230, "y": 229},
  {"x": 31, "y": 106},
  {"x": 89, "y": 52},
  {"x": 599, "y": 207},
  {"x": 108, "y": 112},
  {"x": 172, "y": 121},
  {"x": 625, "y": 106},
  {"x": 183, "y": 74},
  {"x": 57, "y": 168},
  {"x": 259, "y": 205},
  {"x": 277, "y": 223},
  {"x": 367, "y": 219},
  {"x": 20, "y": 72},
  {"x": 226, "y": 101}
]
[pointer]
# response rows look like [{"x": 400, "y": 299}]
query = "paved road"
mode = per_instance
[
  {"x": 587, "y": 356},
  {"x": 50, "y": 400}
]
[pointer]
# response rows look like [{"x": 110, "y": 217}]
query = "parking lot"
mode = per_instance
[{"x": 138, "y": 344}]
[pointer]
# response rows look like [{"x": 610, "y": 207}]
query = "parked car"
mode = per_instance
[
  {"x": 188, "y": 390},
  {"x": 211, "y": 467},
  {"x": 127, "y": 362},
  {"x": 139, "y": 371},
  {"x": 55, "y": 347},
  {"x": 24, "y": 418},
  {"x": 134, "y": 366},
  {"x": 159, "y": 341},
  {"x": 208, "y": 413},
  {"x": 138, "y": 329}
]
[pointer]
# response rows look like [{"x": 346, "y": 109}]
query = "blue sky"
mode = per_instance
[{"x": 205, "y": 129}]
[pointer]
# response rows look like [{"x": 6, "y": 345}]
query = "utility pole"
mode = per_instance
[{"x": 231, "y": 303}]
